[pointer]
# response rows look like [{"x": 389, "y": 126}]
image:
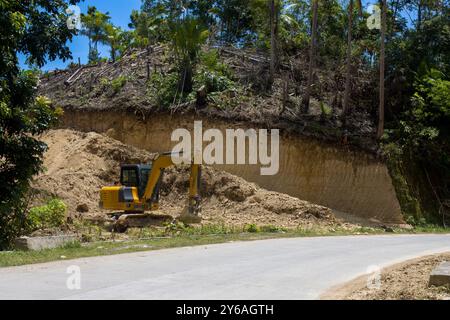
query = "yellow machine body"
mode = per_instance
[
  {"x": 110, "y": 200},
  {"x": 139, "y": 187}
]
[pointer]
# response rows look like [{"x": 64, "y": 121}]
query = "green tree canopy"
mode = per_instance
[{"x": 38, "y": 30}]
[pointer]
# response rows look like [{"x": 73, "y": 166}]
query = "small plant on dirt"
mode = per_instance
[
  {"x": 162, "y": 89},
  {"x": 213, "y": 229},
  {"x": 326, "y": 111},
  {"x": 213, "y": 74},
  {"x": 88, "y": 230},
  {"x": 175, "y": 228},
  {"x": 51, "y": 215},
  {"x": 212, "y": 80},
  {"x": 252, "y": 228},
  {"x": 118, "y": 83},
  {"x": 211, "y": 61},
  {"x": 104, "y": 82}
]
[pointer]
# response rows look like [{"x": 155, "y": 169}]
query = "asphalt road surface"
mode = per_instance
[{"x": 302, "y": 268}]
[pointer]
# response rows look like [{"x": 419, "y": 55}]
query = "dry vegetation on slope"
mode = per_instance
[{"x": 125, "y": 85}]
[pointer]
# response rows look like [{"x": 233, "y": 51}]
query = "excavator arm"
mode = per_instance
[{"x": 162, "y": 162}]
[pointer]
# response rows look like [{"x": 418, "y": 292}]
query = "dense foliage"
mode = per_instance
[
  {"x": 50, "y": 215},
  {"x": 38, "y": 30}
]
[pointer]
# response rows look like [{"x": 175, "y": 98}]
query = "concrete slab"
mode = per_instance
[
  {"x": 40, "y": 243},
  {"x": 441, "y": 275}
]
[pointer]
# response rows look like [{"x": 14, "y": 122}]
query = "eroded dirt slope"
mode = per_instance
[{"x": 79, "y": 164}]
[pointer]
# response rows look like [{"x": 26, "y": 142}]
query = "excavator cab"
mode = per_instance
[{"x": 135, "y": 176}]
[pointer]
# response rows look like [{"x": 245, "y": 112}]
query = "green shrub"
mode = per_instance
[
  {"x": 213, "y": 81},
  {"x": 212, "y": 73},
  {"x": 326, "y": 110},
  {"x": 118, "y": 83},
  {"x": 51, "y": 215},
  {"x": 104, "y": 82},
  {"x": 252, "y": 228},
  {"x": 163, "y": 88},
  {"x": 210, "y": 61}
]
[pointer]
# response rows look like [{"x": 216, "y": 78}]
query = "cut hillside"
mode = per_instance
[
  {"x": 79, "y": 164},
  {"x": 126, "y": 85}
]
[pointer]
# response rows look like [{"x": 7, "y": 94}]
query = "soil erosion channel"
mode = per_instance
[{"x": 352, "y": 182}]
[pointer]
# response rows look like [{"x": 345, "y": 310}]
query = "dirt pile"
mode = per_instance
[
  {"x": 79, "y": 164},
  {"x": 236, "y": 201},
  {"x": 405, "y": 281}
]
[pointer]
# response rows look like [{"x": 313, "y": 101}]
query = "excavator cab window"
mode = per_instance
[
  {"x": 145, "y": 173},
  {"x": 135, "y": 176},
  {"x": 129, "y": 176}
]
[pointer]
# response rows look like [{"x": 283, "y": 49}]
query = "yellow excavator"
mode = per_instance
[{"x": 139, "y": 192}]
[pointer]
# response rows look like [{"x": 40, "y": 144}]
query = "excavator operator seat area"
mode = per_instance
[{"x": 135, "y": 176}]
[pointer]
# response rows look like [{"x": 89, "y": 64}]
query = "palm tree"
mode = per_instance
[
  {"x": 312, "y": 53},
  {"x": 113, "y": 39},
  {"x": 94, "y": 23},
  {"x": 349, "y": 55},
  {"x": 188, "y": 35},
  {"x": 380, "y": 130}
]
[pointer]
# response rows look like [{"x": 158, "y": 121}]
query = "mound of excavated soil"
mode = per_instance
[
  {"x": 79, "y": 164},
  {"x": 405, "y": 281}
]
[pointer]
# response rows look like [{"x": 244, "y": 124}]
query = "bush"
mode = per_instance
[
  {"x": 213, "y": 74},
  {"x": 210, "y": 60},
  {"x": 118, "y": 83},
  {"x": 326, "y": 111},
  {"x": 163, "y": 88},
  {"x": 252, "y": 228},
  {"x": 51, "y": 215},
  {"x": 213, "y": 81}
]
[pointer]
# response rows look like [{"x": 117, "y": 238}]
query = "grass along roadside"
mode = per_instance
[{"x": 183, "y": 237}]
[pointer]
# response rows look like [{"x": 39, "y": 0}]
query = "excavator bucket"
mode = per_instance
[
  {"x": 191, "y": 214},
  {"x": 188, "y": 217}
]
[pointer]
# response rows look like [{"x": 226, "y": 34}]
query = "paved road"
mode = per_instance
[{"x": 271, "y": 269}]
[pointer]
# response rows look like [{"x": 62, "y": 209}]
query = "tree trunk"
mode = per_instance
[
  {"x": 149, "y": 51},
  {"x": 349, "y": 61},
  {"x": 419, "y": 15},
  {"x": 380, "y": 131},
  {"x": 312, "y": 52},
  {"x": 113, "y": 54},
  {"x": 272, "y": 41},
  {"x": 186, "y": 83},
  {"x": 394, "y": 16}
]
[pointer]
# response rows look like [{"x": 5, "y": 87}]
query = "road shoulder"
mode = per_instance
[{"x": 406, "y": 280}]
